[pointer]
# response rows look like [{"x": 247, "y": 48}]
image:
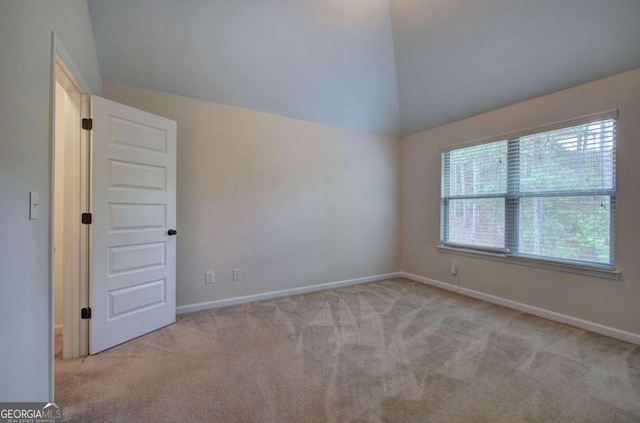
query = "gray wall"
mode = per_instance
[
  {"x": 605, "y": 302},
  {"x": 327, "y": 61},
  {"x": 25, "y": 165},
  {"x": 292, "y": 203}
]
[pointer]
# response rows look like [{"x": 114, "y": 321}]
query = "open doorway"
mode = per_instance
[
  {"x": 70, "y": 198},
  {"x": 125, "y": 175}
]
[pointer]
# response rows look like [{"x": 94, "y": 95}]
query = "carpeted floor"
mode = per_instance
[{"x": 392, "y": 351}]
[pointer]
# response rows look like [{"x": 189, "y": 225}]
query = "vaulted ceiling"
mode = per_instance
[{"x": 384, "y": 66}]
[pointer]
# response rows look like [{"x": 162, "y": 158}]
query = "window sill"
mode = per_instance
[{"x": 580, "y": 270}]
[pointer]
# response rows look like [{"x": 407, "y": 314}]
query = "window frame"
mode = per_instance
[{"x": 513, "y": 196}]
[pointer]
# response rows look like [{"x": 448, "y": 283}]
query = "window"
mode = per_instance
[{"x": 548, "y": 195}]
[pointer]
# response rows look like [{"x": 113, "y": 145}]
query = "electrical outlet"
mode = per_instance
[
  {"x": 209, "y": 277},
  {"x": 454, "y": 267},
  {"x": 236, "y": 274}
]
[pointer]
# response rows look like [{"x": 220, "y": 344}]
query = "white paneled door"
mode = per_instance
[{"x": 133, "y": 242}]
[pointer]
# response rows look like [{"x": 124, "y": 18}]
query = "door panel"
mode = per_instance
[
  {"x": 133, "y": 205},
  {"x": 137, "y": 257},
  {"x": 138, "y": 176},
  {"x": 127, "y": 217}
]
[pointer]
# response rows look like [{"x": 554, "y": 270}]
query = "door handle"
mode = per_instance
[{"x": 172, "y": 232}]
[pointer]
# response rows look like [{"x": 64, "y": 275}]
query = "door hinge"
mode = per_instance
[
  {"x": 87, "y": 123},
  {"x": 87, "y": 218},
  {"x": 85, "y": 313}
]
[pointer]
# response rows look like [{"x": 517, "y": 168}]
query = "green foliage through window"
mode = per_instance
[{"x": 549, "y": 195}]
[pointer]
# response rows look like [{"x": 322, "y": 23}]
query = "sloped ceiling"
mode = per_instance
[
  {"x": 458, "y": 58},
  {"x": 384, "y": 66},
  {"x": 321, "y": 60}
]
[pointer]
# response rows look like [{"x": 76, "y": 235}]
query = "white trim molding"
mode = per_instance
[
  {"x": 190, "y": 308},
  {"x": 77, "y": 329},
  {"x": 595, "y": 272},
  {"x": 537, "y": 311}
]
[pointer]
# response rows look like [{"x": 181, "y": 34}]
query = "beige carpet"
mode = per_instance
[{"x": 392, "y": 351}]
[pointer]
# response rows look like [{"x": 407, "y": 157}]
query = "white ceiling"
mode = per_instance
[{"x": 384, "y": 66}]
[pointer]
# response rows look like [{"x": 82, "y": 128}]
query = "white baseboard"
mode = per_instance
[
  {"x": 541, "y": 312},
  {"x": 58, "y": 329},
  {"x": 190, "y": 308}
]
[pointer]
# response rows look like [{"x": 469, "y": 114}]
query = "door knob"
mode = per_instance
[{"x": 172, "y": 232}]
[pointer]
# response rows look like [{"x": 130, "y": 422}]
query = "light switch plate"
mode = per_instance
[{"x": 34, "y": 204}]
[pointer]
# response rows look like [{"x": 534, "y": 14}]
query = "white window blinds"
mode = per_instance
[
  {"x": 474, "y": 190},
  {"x": 548, "y": 195}
]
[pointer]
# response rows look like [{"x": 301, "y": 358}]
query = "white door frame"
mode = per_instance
[{"x": 75, "y": 330}]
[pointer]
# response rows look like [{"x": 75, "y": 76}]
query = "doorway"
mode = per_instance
[
  {"x": 125, "y": 175},
  {"x": 70, "y": 196}
]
